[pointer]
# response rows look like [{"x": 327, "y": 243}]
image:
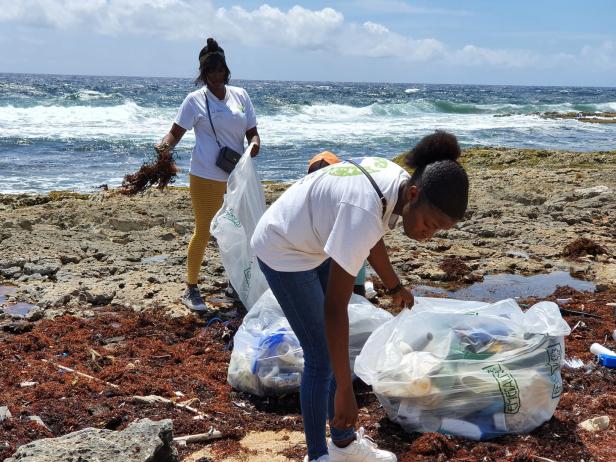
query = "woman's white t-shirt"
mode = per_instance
[
  {"x": 334, "y": 212},
  {"x": 232, "y": 117}
]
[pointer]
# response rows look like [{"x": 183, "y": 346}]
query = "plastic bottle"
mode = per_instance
[{"x": 598, "y": 349}]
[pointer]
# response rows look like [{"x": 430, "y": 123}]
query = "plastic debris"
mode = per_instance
[
  {"x": 598, "y": 349},
  {"x": 232, "y": 227},
  {"x": 370, "y": 292},
  {"x": 607, "y": 361},
  {"x": 573, "y": 363},
  {"x": 267, "y": 359},
  {"x": 465, "y": 368},
  {"x": 596, "y": 424}
]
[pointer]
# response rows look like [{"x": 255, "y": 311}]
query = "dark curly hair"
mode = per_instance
[
  {"x": 211, "y": 57},
  {"x": 442, "y": 181}
]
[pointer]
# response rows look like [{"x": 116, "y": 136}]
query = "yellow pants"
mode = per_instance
[{"x": 207, "y": 197}]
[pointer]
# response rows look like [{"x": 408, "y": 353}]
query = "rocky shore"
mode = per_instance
[
  {"x": 66, "y": 251},
  {"x": 100, "y": 328}
]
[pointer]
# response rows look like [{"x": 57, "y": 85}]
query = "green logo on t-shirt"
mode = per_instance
[{"x": 376, "y": 165}]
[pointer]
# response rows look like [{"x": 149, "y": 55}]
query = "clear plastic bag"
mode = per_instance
[
  {"x": 267, "y": 359},
  {"x": 233, "y": 225},
  {"x": 467, "y": 368}
]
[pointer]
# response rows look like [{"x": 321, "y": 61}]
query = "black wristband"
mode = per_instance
[{"x": 394, "y": 290}]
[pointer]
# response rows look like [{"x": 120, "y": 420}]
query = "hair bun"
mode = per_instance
[
  {"x": 212, "y": 45},
  {"x": 440, "y": 145}
]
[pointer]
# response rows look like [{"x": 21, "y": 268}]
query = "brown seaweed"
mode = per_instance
[{"x": 159, "y": 173}]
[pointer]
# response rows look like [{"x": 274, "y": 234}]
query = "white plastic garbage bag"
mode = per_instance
[
  {"x": 233, "y": 225},
  {"x": 467, "y": 368},
  {"x": 267, "y": 359}
]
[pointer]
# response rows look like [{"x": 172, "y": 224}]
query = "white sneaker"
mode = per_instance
[
  {"x": 323, "y": 458},
  {"x": 363, "y": 449}
]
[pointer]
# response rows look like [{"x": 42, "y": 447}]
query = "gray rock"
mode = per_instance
[
  {"x": 586, "y": 193},
  {"x": 35, "y": 314},
  {"x": 517, "y": 254},
  {"x": 182, "y": 228},
  {"x": 142, "y": 441},
  {"x": 128, "y": 225},
  {"x": 168, "y": 237},
  {"x": 44, "y": 269},
  {"x": 99, "y": 297},
  {"x": 31, "y": 277},
  {"x": 66, "y": 259},
  {"x": 20, "y": 262},
  {"x": 525, "y": 198},
  {"x": 10, "y": 273},
  {"x": 25, "y": 224},
  {"x": 481, "y": 232}
]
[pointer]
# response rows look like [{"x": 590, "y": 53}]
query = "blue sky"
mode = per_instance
[{"x": 483, "y": 42}]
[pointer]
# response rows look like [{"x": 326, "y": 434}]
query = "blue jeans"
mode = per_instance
[{"x": 301, "y": 295}]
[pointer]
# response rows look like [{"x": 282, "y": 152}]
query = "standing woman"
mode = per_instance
[
  {"x": 312, "y": 242},
  {"x": 231, "y": 118}
]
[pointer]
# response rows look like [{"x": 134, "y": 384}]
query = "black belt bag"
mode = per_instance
[{"x": 227, "y": 158}]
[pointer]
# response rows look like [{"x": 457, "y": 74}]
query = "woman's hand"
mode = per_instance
[
  {"x": 254, "y": 139},
  {"x": 403, "y": 298},
  {"x": 345, "y": 408}
]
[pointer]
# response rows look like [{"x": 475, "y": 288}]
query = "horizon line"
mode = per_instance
[{"x": 314, "y": 81}]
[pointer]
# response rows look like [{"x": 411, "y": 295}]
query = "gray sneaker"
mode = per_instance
[{"x": 192, "y": 299}]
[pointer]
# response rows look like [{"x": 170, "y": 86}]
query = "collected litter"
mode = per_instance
[
  {"x": 465, "y": 368},
  {"x": 605, "y": 356},
  {"x": 267, "y": 359},
  {"x": 233, "y": 225}
]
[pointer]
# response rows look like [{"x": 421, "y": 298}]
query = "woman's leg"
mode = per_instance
[
  {"x": 343, "y": 436},
  {"x": 206, "y": 197},
  {"x": 301, "y": 297}
]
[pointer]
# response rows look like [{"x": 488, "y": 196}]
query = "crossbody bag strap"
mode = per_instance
[
  {"x": 374, "y": 185},
  {"x": 209, "y": 116}
]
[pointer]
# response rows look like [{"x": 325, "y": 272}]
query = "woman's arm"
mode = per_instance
[
  {"x": 252, "y": 135},
  {"x": 171, "y": 139},
  {"x": 379, "y": 260},
  {"x": 339, "y": 289}
]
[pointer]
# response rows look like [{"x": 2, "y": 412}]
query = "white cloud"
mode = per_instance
[
  {"x": 298, "y": 28},
  {"x": 603, "y": 55},
  {"x": 400, "y": 7},
  {"x": 471, "y": 55},
  {"x": 377, "y": 41}
]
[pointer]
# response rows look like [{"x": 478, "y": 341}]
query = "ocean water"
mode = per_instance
[{"x": 78, "y": 132}]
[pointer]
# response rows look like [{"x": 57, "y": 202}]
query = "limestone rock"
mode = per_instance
[
  {"x": 44, "y": 269},
  {"x": 586, "y": 193},
  {"x": 10, "y": 273},
  {"x": 99, "y": 296},
  {"x": 142, "y": 441},
  {"x": 128, "y": 225}
]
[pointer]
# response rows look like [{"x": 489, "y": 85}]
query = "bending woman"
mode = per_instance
[
  {"x": 312, "y": 242},
  {"x": 233, "y": 118}
]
